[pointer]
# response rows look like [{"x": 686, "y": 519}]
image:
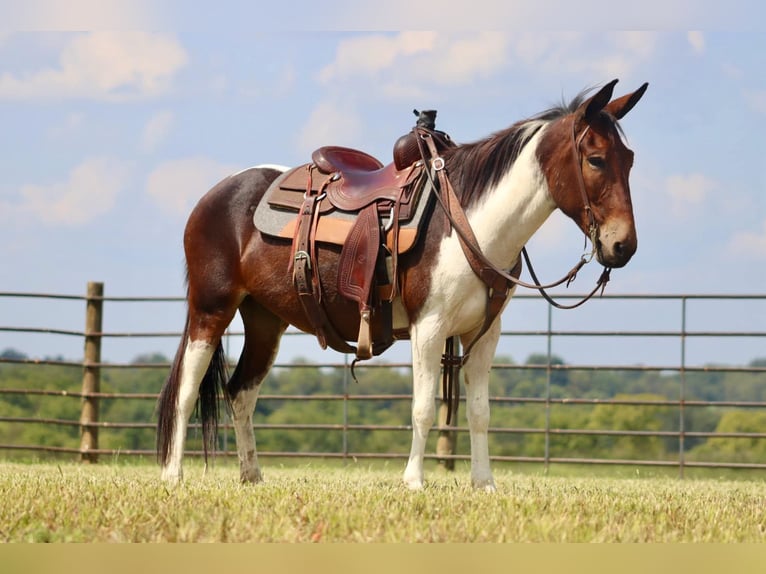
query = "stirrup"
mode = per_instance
[{"x": 364, "y": 345}]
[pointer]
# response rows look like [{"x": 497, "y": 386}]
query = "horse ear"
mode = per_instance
[
  {"x": 591, "y": 107},
  {"x": 621, "y": 106}
]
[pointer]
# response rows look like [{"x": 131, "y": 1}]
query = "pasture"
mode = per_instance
[{"x": 49, "y": 502}]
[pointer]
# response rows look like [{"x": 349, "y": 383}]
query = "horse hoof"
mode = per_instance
[
  {"x": 413, "y": 483},
  {"x": 485, "y": 485},
  {"x": 251, "y": 476},
  {"x": 171, "y": 478}
]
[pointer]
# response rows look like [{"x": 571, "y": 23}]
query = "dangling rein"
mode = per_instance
[{"x": 498, "y": 281}]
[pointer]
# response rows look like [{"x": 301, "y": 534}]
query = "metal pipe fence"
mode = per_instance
[{"x": 750, "y": 329}]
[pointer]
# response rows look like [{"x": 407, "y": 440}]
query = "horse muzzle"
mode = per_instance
[{"x": 616, "y": 244}]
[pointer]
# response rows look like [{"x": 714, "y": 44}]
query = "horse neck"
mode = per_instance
[{"x": 514, "y": 209}]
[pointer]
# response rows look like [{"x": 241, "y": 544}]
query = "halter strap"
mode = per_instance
[{"x": 592, "y": 225}]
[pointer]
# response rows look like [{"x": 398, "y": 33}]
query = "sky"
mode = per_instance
[{"x": 117, "y": 117}]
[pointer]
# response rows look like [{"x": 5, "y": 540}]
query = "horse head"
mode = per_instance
[{"x": 587, "y": 165}]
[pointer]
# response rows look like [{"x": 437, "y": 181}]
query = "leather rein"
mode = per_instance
[{"x": 497, "y": 280}]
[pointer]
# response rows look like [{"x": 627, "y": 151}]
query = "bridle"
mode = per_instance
[
  {"x": 592, "y": 235},
  {"x": 488, "y": 271},
  {"x": 498, "y": 281},
  {"x": 592, "y": 224}
]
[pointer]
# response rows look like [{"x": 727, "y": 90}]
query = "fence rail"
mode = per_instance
[{"x": 91, "y": 395}]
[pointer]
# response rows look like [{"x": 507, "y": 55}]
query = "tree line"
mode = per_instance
[{"x": 527, "y": 419}]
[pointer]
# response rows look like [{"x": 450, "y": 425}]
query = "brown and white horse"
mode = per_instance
[{"x": 570, "y": 157}]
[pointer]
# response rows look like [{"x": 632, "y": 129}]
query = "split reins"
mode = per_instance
[
  {"x": 483, "y": 266},
  {"x": 498, "y": 281}
]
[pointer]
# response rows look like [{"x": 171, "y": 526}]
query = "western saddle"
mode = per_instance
[{"x": 376, "y": 200}]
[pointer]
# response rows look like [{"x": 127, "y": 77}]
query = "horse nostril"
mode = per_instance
[{"x": 619, "y": 248}]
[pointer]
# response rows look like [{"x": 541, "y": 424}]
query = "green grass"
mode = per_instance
[{"x": 116, "y": 502}]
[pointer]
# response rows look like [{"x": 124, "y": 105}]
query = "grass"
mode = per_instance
[{"x": 316, "y": 503}]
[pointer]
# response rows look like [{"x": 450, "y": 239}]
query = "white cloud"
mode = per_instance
[
  {"x": 465, "y": 58},
  {"x": 597, "y": 58},
  {"x": 417, "y": 58},
  {"x": 593, "y": 16},
  {"x": 752, "y": 243},
  {"x": 688, "y": 191},
  {"x": 641, "y": 44},
  {"x": 90, "y": 190},
  {"x": 177, "y": 185},
  {"x": 696, "y": 40},
  {"x": 76, "y": 15},
  {"x": 156, "y": 129},
  {"x": 329, "y": 122},
  {"x": 371, "y": 54},
  {"x": 408, "y": 64},
  {"x": 110, "y": 65}
]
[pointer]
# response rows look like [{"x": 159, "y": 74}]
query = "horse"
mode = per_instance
[{"x": 571, "y": 157}]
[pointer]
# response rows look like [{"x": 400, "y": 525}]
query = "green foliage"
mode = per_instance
[
  {"x": 642, "y": 417},
  {"x": 523, "y": 421},
  {"x": 63, "y": 408},
  {"x": 735, "y": 449}
]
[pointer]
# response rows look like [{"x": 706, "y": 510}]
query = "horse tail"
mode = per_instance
[
  {"x": 168, "y": 399},
  {"x": 207, "y": 403},
  {"x": 214, "y": 380}
]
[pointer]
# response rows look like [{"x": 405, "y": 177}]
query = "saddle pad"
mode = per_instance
[{"x": 276, "y": 217}]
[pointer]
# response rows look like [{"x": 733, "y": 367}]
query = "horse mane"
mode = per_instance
[{"x": 477, "y": 166}]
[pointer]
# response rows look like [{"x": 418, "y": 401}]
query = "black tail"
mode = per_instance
[
  {"x": 215, "y": 378},
  {"x": 207, "y": 404}
]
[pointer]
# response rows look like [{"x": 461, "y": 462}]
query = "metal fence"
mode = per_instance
[{"x": 677, "y": 334}]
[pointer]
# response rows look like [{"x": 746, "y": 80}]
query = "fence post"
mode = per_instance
[
  {"x": 682, "y": 393},
  {"x": 91, "y": 378},
  {"x": 549, "y": 361}
]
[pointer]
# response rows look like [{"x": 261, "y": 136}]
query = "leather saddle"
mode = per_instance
[{"x": 349, "y": 198}]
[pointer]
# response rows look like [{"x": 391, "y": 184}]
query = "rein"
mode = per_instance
[
  {"x": 497, "y": 280},
  {"x": 483, "y": 267}
]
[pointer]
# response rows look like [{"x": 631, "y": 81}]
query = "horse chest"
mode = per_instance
[{"x": 456, "y": 293}]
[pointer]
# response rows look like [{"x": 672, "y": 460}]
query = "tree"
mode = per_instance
[
  {"x": 641, "y": 417},
  {"x": 735, "y": 449},
  {"x": 558, "y": 377},
  {"x": 13, "y": 355},
  {"x": 150, "y": 359}
]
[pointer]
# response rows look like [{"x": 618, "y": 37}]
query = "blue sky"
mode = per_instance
[{"x": 109, "y": 136}]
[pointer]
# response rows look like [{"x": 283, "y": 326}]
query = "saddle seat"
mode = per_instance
[
  {"x": 332, "y": 158},
  {"x": 359, "y": 179}
]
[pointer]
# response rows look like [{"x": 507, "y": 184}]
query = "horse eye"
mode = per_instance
[{"x": 597, "y": 162}]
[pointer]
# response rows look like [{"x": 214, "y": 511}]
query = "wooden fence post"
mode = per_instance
[{"x": 91, "y": 378}]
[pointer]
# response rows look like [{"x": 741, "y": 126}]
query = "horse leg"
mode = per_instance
[
  {"x": 476, "y": 378},
  {"x": 427, "y": 347},
  {"x": 263, "y": 332},
  {"x": 199, "y": 361},
  {"x": 194, "y": 363}
]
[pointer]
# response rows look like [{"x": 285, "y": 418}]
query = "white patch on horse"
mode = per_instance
[
  {"x": 503, "y": 221},
  {"x": 278, "y": 167},
  {"x": 196, "y": 359}
]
